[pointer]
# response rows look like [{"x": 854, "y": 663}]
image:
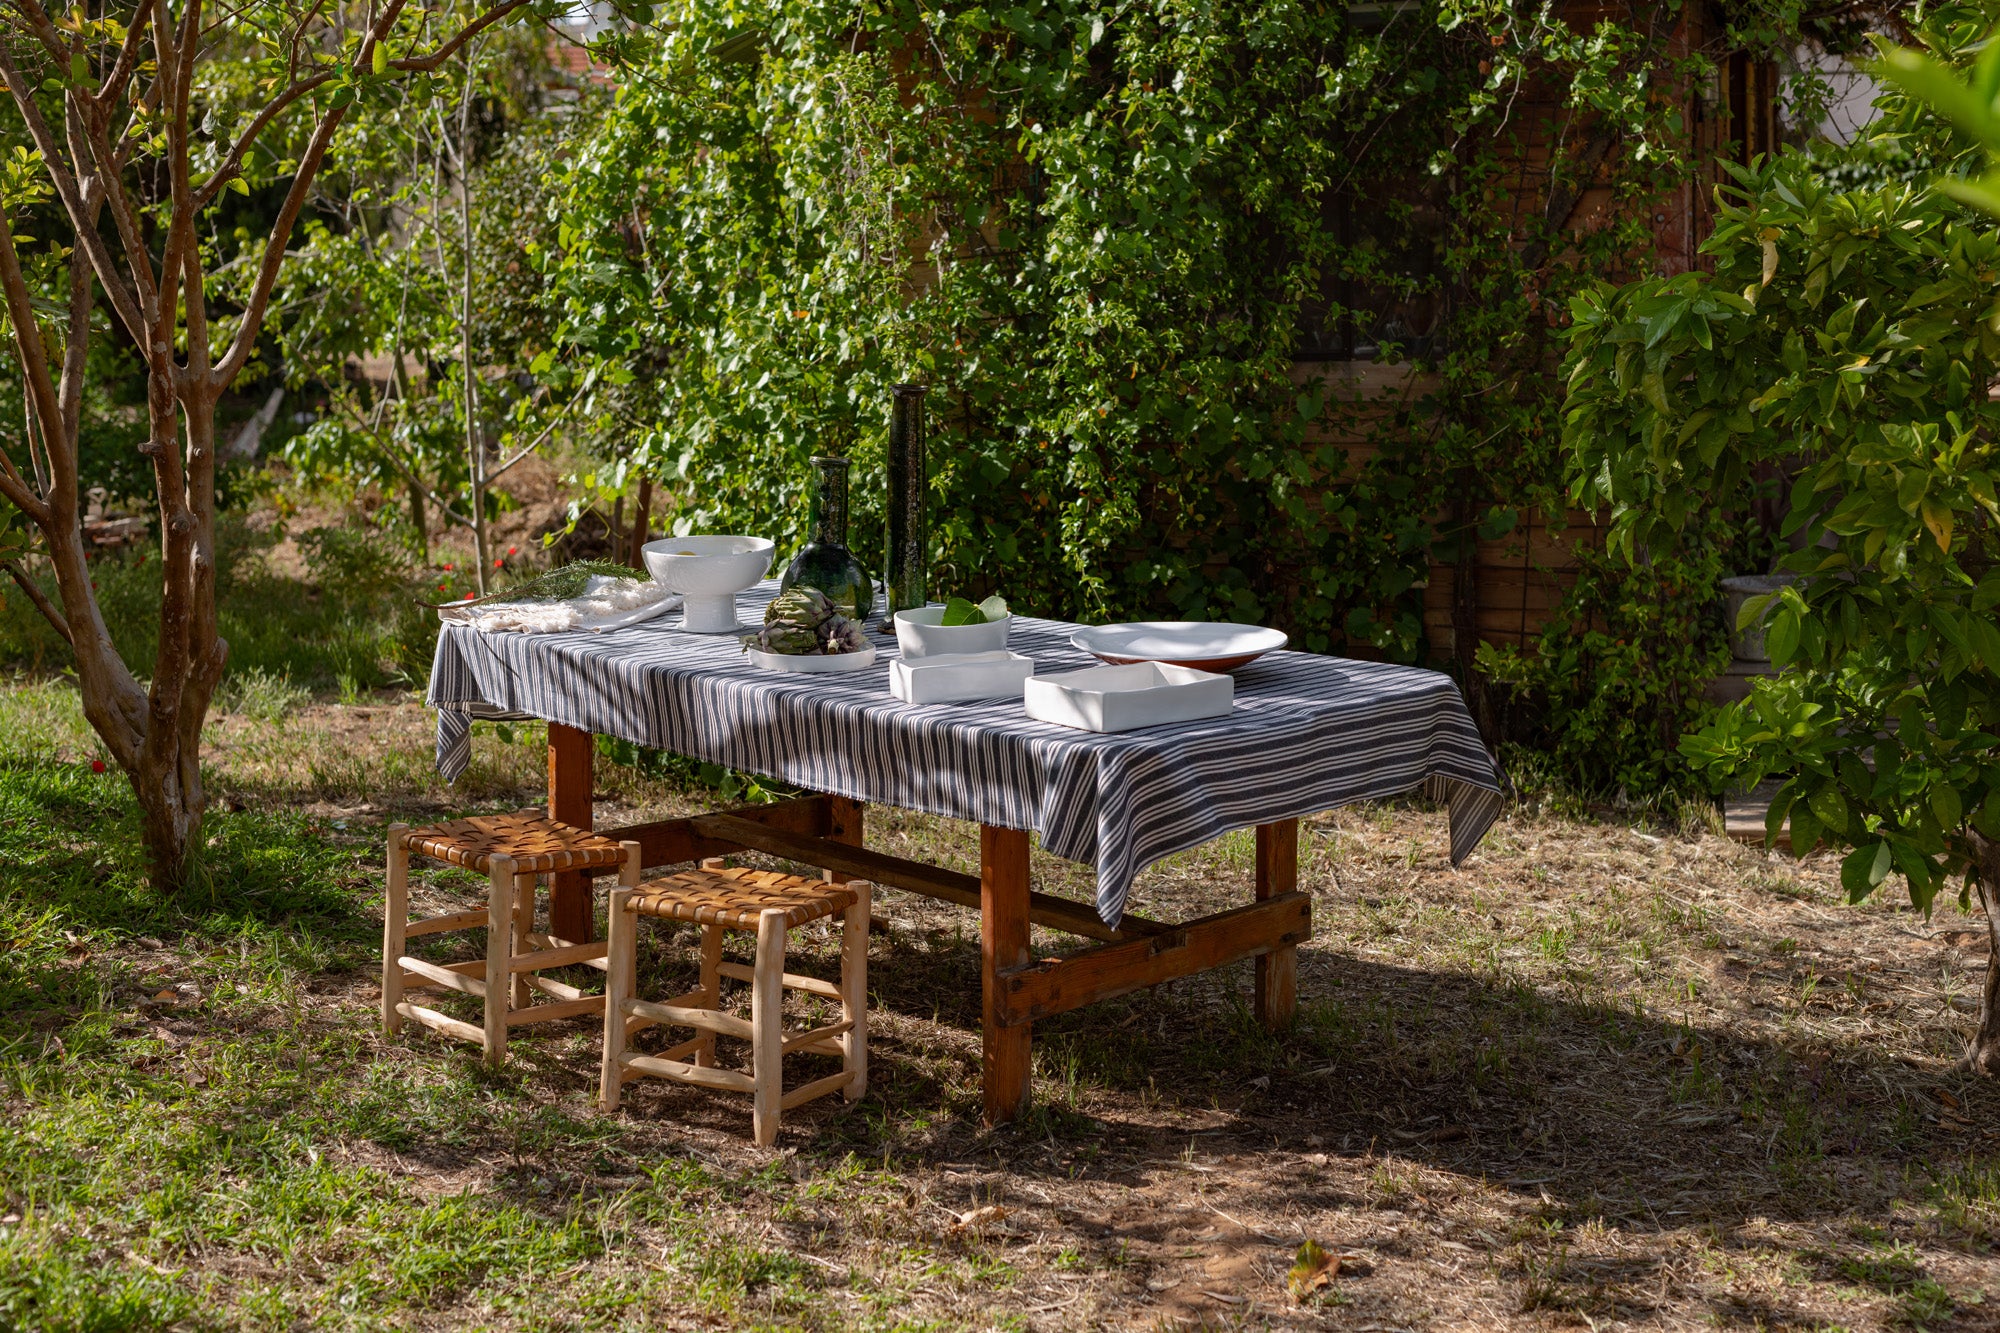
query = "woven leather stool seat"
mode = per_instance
[
  {"x": 536, "y": 843},
  {"x": 514, "y": 852},
  {"x": 738, "y": 899},
  {"x": 720, "y": 899}
]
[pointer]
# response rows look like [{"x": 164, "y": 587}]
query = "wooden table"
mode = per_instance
[{"x": 826, "y": 831}]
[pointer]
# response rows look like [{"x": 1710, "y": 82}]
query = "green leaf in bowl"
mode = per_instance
[
  {"x": 958, "y": 611},
  {"x": 994, "y": 608}
]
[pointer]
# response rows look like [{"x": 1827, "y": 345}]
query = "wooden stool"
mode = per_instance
[
  {"x": 770, "y": 904},
  {"x": 512, "y": 851}
]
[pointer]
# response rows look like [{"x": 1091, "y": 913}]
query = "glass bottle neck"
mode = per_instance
[{"x": 829, "y": 502}]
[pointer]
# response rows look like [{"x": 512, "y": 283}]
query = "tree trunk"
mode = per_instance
[
  {"x": 641, "y": 514},
  {"x": 166, "y": 779},
  {"x": 1982, "y": 1054},
  {"x": 420, "y": 520}
]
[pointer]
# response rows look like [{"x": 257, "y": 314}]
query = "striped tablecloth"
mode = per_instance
[{"x": 1308, "y": 733}]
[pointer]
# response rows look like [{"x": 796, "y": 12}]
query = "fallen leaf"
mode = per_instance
[
  {"x": 980, "y": 1217},
  {"x": 1312, "y": 1268},
  {"x": 1946, "y": 1097}
]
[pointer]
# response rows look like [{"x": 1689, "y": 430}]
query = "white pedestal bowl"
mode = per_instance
[{"x": 708, "y": 572}]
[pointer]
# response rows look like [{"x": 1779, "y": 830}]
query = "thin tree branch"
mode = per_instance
[
  {"x": 49, "y": 613},
  {"x": 467, "y": 33},
  {"x": 120, "y": 72},
  {"x": 233, "y": 163},
  {"x": 122, "y": 299},
  {"x": 44, "y": 29},
  {"x": 255, "y": 308},
  {"x": 34, "y": 365},
  {"x": 536, "y": 443}
]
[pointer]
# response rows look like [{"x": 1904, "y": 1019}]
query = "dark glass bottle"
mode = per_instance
[
  {"x": 906, "y": 572},
  {"x": 824, "y": 562}
]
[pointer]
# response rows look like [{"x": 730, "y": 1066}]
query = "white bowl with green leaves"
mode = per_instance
[{"x": 957, "y": 626}]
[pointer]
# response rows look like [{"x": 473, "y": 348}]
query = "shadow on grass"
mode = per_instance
[
  {"x": 1591, "y": 1110},
  {"x": 73, "y": 885}
]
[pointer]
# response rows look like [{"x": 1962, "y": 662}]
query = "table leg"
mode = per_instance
[
  {"x": 844, "y": 826},
  {"x": 570, "y": 750},
  {"x": 1277, "y": 994},
  {"x": 1003, "y": 944}
]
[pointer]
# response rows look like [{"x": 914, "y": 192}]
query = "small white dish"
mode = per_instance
[
  {"x": 921, "y": 633},
  {"x": 1203, "y": 644},
  {"x": 814, "y": 664},
  {"x": 960, "y": 677},
  {"x": 708, "y": 572},
  {"x": 1122, "y": 698}
]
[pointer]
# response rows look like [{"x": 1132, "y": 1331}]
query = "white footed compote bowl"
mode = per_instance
[{"x": 708, "y": 572}]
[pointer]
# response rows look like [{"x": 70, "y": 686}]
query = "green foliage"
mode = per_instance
[
  {"x": 1846, "y": 340},
  {"x": 1616, "y": 678},
  {"x": 355, "y": 620},
  {"x": 419, "y": 258},
  {"x": 733, "y": 785},
  {"x": 959, "y": 611},
  {"x": 1096, "y": 236}
]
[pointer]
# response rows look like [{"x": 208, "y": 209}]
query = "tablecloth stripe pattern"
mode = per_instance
[{"x": 1308, "y": 733}]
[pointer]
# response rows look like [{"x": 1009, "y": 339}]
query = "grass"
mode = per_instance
[{"x": 1603, "y": 1074}]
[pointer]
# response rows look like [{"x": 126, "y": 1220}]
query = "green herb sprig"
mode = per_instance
[{"x": 560, "y": 584}]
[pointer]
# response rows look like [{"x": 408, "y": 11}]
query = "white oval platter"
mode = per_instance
[{"x": 1206, "y": 645}]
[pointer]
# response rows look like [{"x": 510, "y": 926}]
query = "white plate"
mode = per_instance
[
  {"x": 1120, "y": 698},
  {"x": 1204, "y": 644},
  {"x": 814, "y": 664},
  {"x": 959, "y": 677}
]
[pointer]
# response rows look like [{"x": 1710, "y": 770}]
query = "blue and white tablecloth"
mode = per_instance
[{"x": 1308, "y": 733}]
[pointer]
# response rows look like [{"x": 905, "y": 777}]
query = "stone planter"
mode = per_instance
[{"x": 1747, "y": 645}]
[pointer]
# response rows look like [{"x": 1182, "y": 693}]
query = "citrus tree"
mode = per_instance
[
  {"x": 164, "y": 154},
  {"x": 1844, "y": 342}
]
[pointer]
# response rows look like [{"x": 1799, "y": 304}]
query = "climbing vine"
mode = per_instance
[{"x": 1101, "y": 234}]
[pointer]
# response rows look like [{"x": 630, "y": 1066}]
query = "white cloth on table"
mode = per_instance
[{"x": 606, "y": 604}]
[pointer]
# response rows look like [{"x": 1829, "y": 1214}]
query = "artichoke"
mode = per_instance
[
  {"x": 802, "y": 608},
  {"x": 802, "y": 621},
  {"x": 845, "y": 637}
]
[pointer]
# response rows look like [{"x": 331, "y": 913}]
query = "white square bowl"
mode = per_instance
[
  {"x": 960, "y": 677},
  {"x": 1122, "y": 698}
]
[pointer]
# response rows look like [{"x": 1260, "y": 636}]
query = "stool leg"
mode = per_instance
[
  {"x": 524, "y": 925},
  {"x": 499, "y": 939},
  {"x": 767, "y": 1023},
  {"x": 711, "y": 989},
  {"x": 621, "y": 962},
  {"x": 395, "y": 920},
  {"x": 854, "y": 990}
]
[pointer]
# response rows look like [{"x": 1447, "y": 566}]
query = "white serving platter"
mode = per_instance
[
  {"x": 814, "y": 664},
  {"x": 1122, "y": 698},
  {"x": 960, "y": 677},
  {"x": 1207, "y": 645}
]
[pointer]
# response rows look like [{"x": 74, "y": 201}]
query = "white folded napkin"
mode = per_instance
[{"x": 606, "y": 604}]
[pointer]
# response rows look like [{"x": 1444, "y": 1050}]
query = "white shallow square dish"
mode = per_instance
[
  {"x": 1122, "y": 698},
  {"x": 960, "y": 677}
]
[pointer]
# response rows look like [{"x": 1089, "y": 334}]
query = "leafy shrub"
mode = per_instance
[
  {"x": 1617, "y": 677},
  {"x": 357, "y": 624}
]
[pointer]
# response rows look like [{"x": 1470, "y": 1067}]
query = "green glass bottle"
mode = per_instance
[{"x": 824, "y": 562}]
